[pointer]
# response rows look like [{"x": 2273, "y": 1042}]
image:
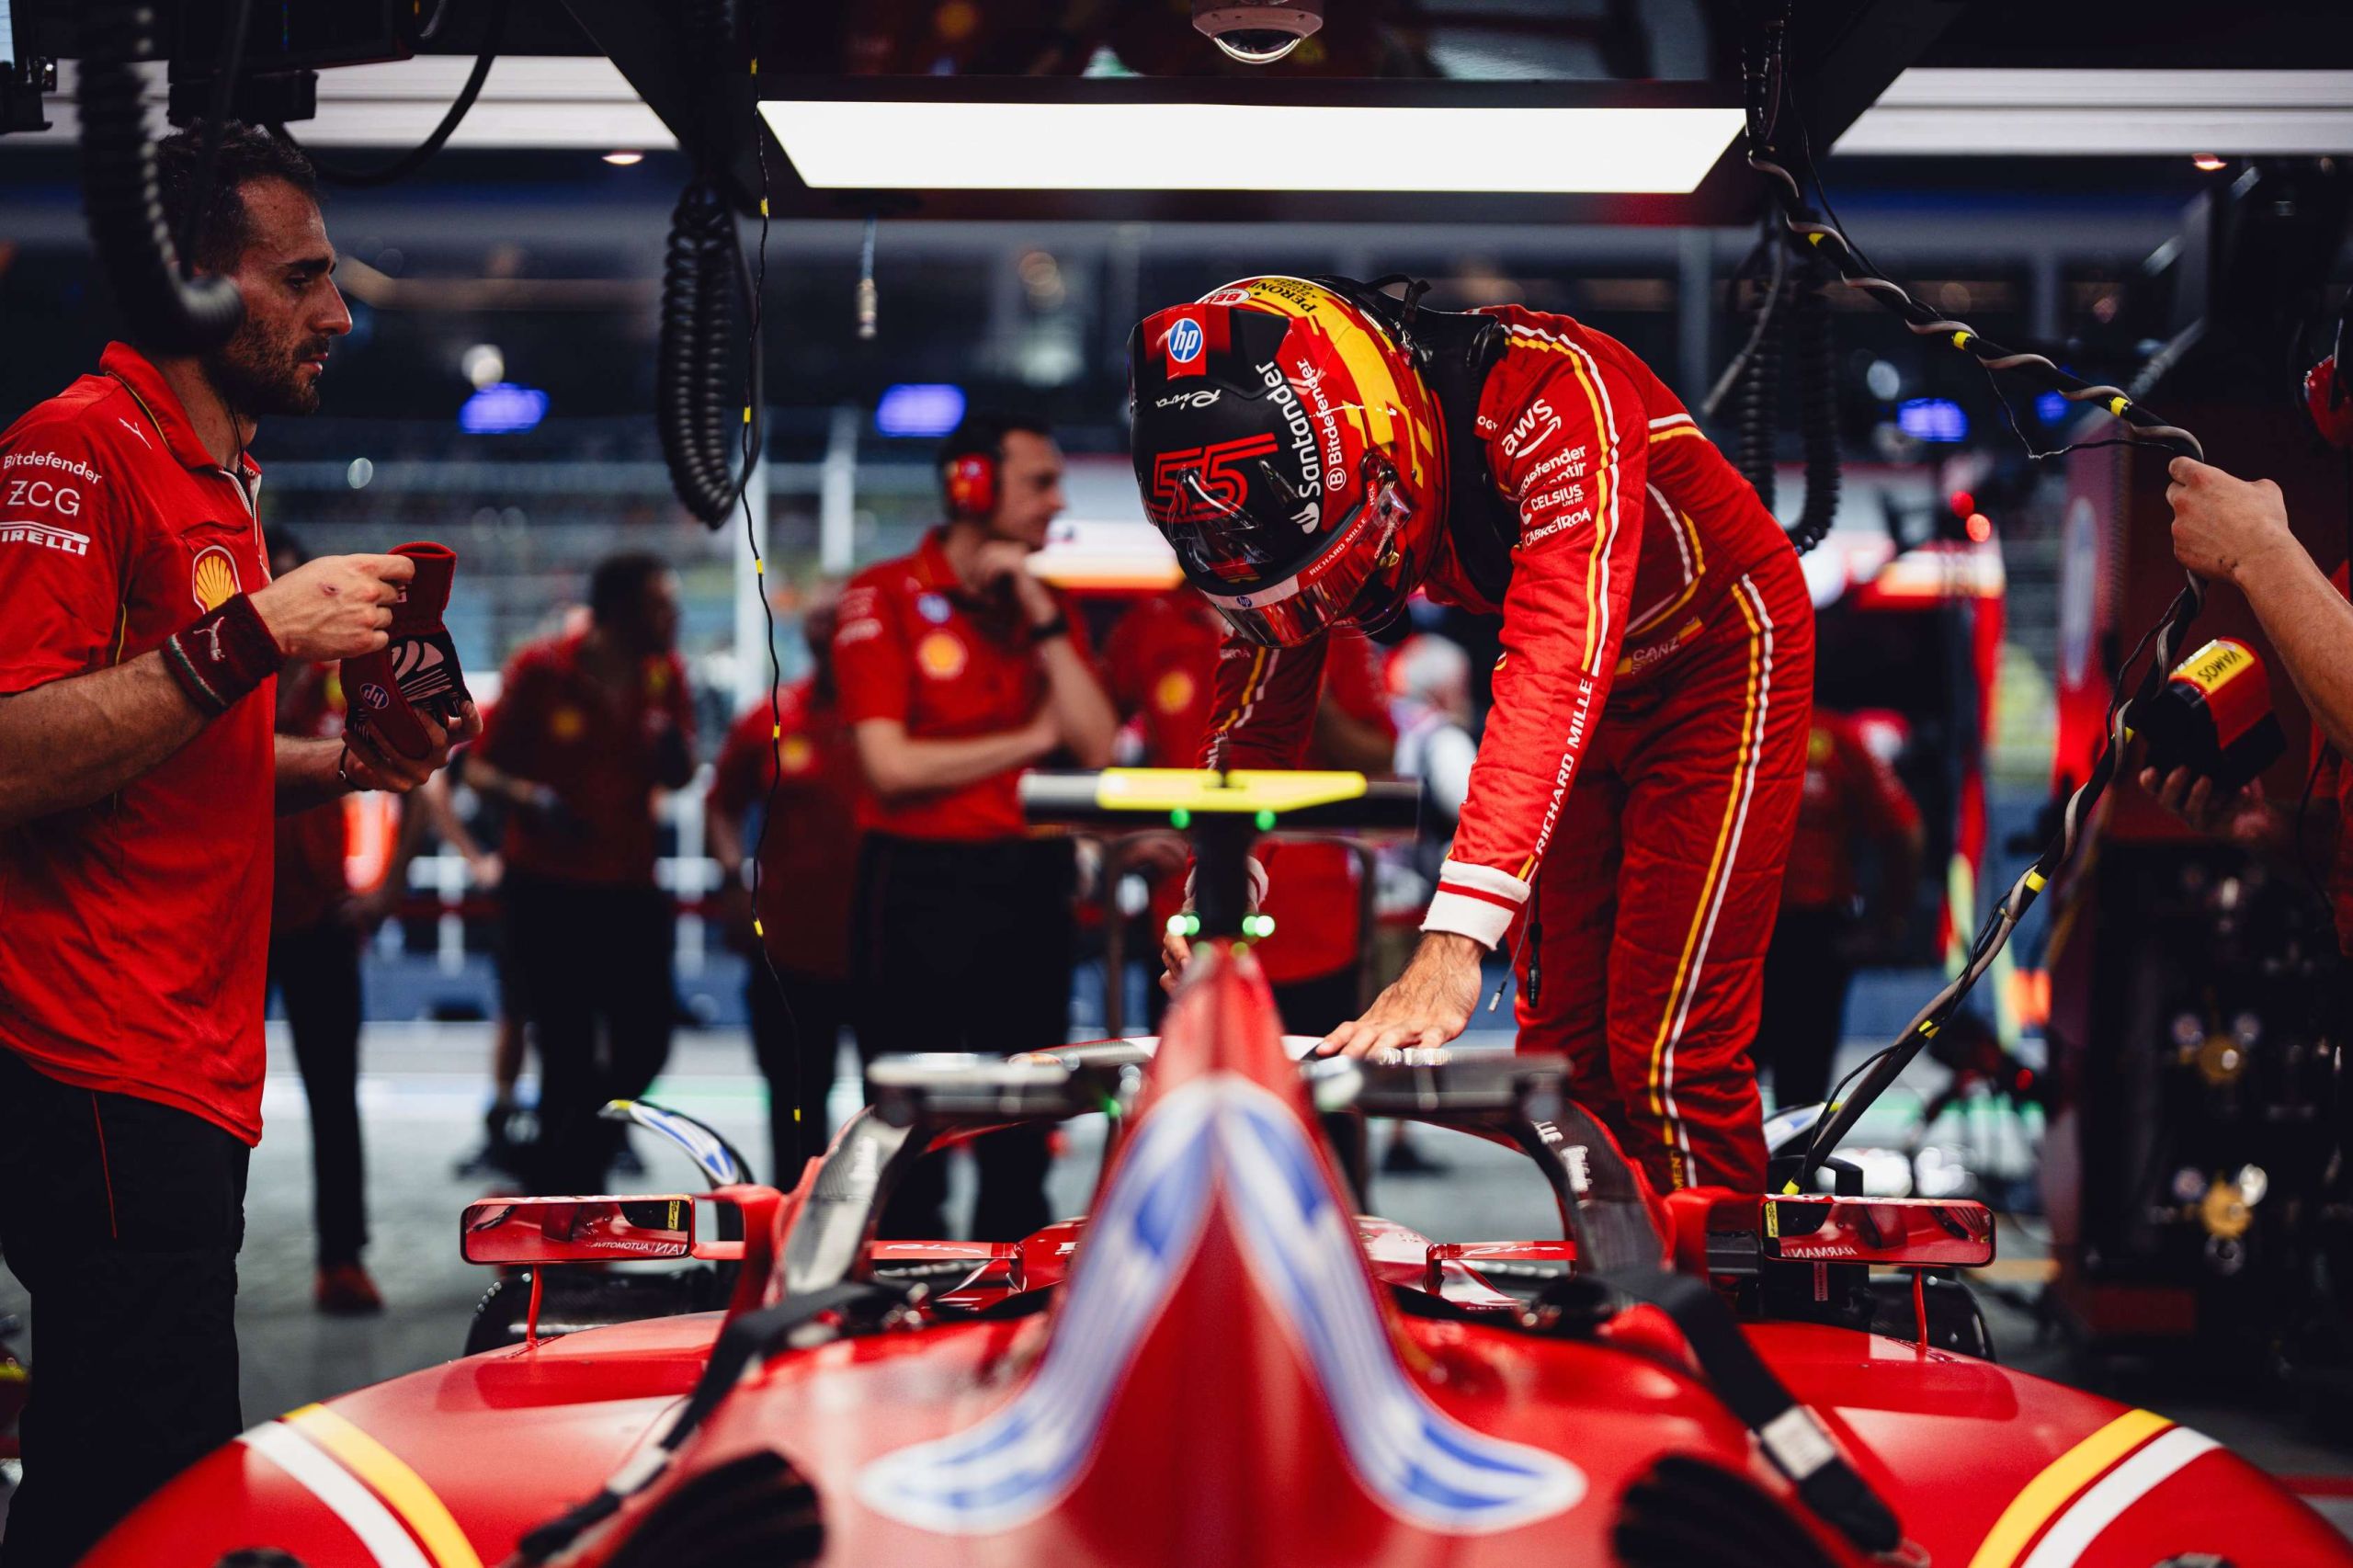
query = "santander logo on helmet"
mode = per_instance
[{"x": 1305, "y": 488}]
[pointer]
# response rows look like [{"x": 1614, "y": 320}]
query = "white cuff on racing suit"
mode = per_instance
[{"x": 1477, "y": 901}]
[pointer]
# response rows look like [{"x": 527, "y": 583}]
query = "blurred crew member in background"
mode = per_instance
[
  {"x": 808, "y": 850},
  {"x": 588, "y": 726},
  {"x": 1852, "y": 802},
  {"x": 501, "y": 1151},
  {"x": 958, "y": 670},
  {"x": 1316, "y": 453},
  {"x": 1429, "y": 694},
  {"x": 139, "y": 783},
  {"x": 316, "y": 930},
  {"x": 1162, "y": 662}
]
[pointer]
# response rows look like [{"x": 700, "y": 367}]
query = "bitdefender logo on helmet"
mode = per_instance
[{"x": 1184, "y": 341}]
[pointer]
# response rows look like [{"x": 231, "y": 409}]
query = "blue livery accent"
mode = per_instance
[{"x": 1423, "y": 1465}]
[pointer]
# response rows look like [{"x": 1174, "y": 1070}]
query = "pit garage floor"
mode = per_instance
[{"x": 421, "y": 1100}]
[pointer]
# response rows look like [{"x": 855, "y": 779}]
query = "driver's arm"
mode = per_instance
[{"x": 1579, "y": 479}]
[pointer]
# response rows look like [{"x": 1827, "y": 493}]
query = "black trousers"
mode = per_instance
[
  {"x": 589, "y": 956},
  {"x": 121, "y": 1219},
  {"x": 1804, "y": 1010},
  {"x": 796, "y": 1052},
  {"x": 967, "y": 947},
  {"x": 316, "y": 970}
]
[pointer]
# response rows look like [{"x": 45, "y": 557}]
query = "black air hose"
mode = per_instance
[
  {"x": 1760, "y": 391},
  {"x": 167, "y": 312},
  {"x": 1817, "y": 372},
  {"x": 709, "y": 417},
  {"x": 699, "y": 400}
]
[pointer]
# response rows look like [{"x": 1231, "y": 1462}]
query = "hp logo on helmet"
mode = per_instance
[{"x": 1184, "y": 341}]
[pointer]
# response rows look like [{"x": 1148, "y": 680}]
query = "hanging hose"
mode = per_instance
[
  {"x": 701, "y": 407},
  {"x": 706, "y": 406},
  {"x": 1817, "y": 370},
  {"x": 168, "y": 310},
  {"x": 408, "y": 163},
  {"x": 1817, "y": 230},
  {"x": 1760, "y": 393},
  {"x": 1792, "y": 315}
]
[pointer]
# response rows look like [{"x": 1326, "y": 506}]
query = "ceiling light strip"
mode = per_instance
[{"x": 869, "y": 145}]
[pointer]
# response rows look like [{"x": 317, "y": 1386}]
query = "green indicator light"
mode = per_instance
[
  {"x": 1180, "y": 819},
  {"x": 1176, "y": 925},
  {"x": 1265, "y": 821},
  {"x": 1192, "y": 924},
  {"x": 1260, "y": 925}
]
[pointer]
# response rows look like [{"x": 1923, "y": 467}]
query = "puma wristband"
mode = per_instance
[{"x": 224, "y": 654}]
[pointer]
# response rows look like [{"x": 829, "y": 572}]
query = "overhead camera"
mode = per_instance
[{"x": 1256, "y": 34}]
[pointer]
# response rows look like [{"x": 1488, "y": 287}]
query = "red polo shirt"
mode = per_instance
[
  {"x": 1162, "y": 660},
  {"x": 136, "y": 928},
  {"x": 911, "y": 645},
  {"x": 809, "y": 852},
  {"x": 599, "y": 754}
]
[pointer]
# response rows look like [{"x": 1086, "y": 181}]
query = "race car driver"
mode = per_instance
[
  {"x": 138, "y": 655},
  {"x": 1315, "y": 451}
]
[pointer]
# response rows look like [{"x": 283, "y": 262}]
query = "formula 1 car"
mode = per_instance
[{"x": 1221, "y": 1365}]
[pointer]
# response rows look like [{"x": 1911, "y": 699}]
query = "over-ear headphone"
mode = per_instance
[{"x": 971, "y": 485}]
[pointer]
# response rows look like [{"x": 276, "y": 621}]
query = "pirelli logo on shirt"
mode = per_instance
[{"x": 45, "y": 535}]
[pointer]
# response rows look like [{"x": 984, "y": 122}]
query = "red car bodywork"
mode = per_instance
[{"x": 1172, "y": 1405}]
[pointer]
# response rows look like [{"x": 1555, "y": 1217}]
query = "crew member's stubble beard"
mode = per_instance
[{"x": 260, "y": 375}]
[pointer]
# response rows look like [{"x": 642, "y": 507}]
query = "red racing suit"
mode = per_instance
[{"x": 1638, "y": 782}]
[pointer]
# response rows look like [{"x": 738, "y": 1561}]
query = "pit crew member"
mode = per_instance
[
  {"x": 958, "y": 670},
  {"x": 808, "y": 851},
  {"x": 2234, "y": 530},
  {"x": 1162, "y": 663},
  {"x": 139, "y": 779},
  {"x": 1852, "y": 801},
  {"x": 316, "y": 927},
  {"x": 588, "y": 726},
  {"x": 1316, "y": 452}
]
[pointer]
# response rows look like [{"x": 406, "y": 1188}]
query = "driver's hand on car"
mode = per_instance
[{"x": 1424, "y": 1007}]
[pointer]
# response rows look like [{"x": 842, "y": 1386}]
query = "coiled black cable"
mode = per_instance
[
  {"x": 707, "y": 418},
  {"x": 1817, "y": 374},
  {"x": 701, "y": 404},
  {"x": 168, "y": 310},
  {"x": 1760, "y": 393}
]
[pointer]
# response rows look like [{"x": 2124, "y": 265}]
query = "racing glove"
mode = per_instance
[{"x": 417, "y": 672}]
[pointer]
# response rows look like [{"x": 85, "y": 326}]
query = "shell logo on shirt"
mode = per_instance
[
  {"x": 1173, "y": 693},
  {"x": 941, "y": 655},
  {"x": 212, "y": 578},
  {"x": 565, "y": 724},
  {"x": 795, "y": 754}
]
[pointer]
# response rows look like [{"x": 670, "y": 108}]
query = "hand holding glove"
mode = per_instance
[{"x": 417, "y": 672}]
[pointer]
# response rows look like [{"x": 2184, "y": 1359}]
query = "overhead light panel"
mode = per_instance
[
  {"x": 1952, "y": 111},
  {"x": 849, "y": 144}
]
